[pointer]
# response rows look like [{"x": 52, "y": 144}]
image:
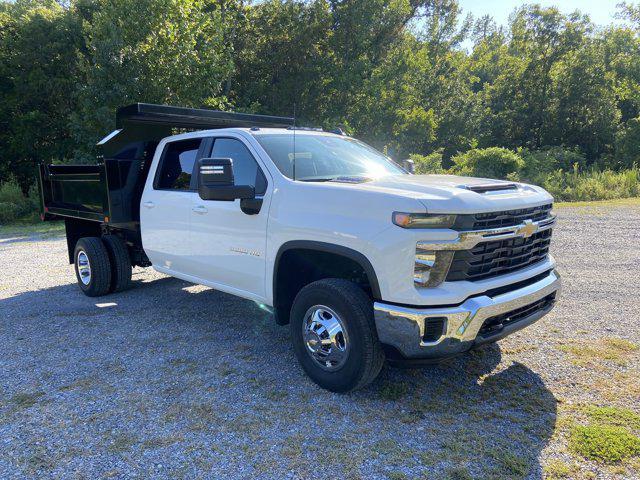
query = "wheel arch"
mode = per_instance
[{"x": 282, "y": 304}]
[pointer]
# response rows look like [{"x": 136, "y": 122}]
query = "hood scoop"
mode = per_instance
[{"x": 490, "y": 187}]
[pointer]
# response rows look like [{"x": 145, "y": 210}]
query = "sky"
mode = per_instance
[{"x": 600, "y": 11}]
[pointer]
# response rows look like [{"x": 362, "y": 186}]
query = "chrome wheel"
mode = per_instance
[
  {"x": 84, "y": 267},
  {"x": 325, "y": 337}
]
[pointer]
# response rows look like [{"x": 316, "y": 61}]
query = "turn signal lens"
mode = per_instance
[{"x": 423, "y": 220}]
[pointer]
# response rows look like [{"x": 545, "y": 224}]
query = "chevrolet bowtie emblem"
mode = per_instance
[{"x": 527, "y": 229}]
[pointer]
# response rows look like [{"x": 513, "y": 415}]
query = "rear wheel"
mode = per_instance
[
  {"x": 334, "y": 336},
  {"x": 120, "y": 263},
  {"x": 92, "y": 266}
]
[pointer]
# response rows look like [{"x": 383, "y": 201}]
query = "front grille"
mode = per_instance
[
  {"x": 490, "y": 259},
  {"x": 496, "y": 323},
  {"x": 506, "y": 218}
]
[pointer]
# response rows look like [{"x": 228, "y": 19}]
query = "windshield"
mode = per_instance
[{"x": 325, "y": 157}]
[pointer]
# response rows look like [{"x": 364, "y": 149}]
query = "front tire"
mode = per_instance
[
  {"x": 334, "y": 335},
  {"x": 92, "y": 266}
]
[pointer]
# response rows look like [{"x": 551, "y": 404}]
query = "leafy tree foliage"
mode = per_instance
[
  {"x": 416, "y": 78},
  {"x": 38, "y": 68},
  {"x": 628, "y": 144},
  {"x": 157, "y": 51}
]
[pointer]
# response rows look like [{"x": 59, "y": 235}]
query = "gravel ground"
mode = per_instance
[{"x": 171, "y": 380}]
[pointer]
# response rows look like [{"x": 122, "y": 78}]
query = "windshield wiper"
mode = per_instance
[
  {"x": 338, "y": 178},
  {"x": 318, "y": 179}
]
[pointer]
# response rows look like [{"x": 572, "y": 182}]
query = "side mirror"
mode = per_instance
[
  {"x": 216, "y": 182},
  {"x": 409, "y": 165}
]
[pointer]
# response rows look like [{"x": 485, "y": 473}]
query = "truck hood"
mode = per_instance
[{"x": 455, "y": 194}]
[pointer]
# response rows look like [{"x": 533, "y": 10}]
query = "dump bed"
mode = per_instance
[{"x": 108, "y": 192}]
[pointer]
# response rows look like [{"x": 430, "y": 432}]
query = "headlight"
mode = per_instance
[{"x": 423, "y": 220}]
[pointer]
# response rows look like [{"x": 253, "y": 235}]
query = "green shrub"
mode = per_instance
[
  {"x": 431, "y": 163},
  {"x": 592, "y": 185},
  {"x": 491, "y": 162},
  {"x": 14, "y": 205},
  {"x": 538, "y": 164},
  {"x": 556, "y": 169}
]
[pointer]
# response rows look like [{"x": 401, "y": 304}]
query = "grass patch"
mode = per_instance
[
  {"x": 184, "y": 365},
  {"x": 602, "y": 443},
  {"x": 620, "y": 387},
  {"x": 161, "y": 442},
  {"x": 557, "y": 469},
  {"x": 122, "y": 442},
  {"x": 620, "y": 202},
  {"x": 458, "y": 473},
  {"x": 29, "y": 228},
  {"x": 276, "y": 395},
  {"x": 393, "y": 391},
  {"x": 81, "y": 384},
  {"x": 39, "y": 462},
  {"x": 612, "y": 416},
  {"x": 397, "y": 476},
  {"x": 26, "y": 400},
  {"x": 616, "y": 350},
  {"x": 509, "y": 465}
]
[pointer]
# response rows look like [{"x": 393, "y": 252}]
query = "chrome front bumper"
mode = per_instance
[{"x": 404, "y": 327}]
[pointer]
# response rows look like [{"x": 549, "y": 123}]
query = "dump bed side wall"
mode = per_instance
[{"x": 76, "y": 191}]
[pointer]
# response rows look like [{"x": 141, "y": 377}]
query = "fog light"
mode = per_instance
[{"x": 434, "y": 328}]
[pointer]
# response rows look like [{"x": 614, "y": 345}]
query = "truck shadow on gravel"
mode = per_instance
[
  {"x": 168, "y": 367},
  {"x": 485, "y": 416}
]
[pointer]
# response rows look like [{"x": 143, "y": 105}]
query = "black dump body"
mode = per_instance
[
  {"x": 108, "y": 192},
  {"x": 106, "y": 196}
]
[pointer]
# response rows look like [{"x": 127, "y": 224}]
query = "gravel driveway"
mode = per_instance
[{"x": 171, "y": 380}]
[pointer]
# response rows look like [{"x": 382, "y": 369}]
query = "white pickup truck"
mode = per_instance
[{"x": 362, "y": 259}]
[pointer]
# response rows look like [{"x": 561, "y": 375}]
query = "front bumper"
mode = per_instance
[{"x": 404, "y": 327}]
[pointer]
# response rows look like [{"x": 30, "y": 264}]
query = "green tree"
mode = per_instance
[
  {"x": 283, "y": 58},
  {"x": 157, "y": 51},
  {"x": 628, "y": 144},
  {"x": 517, "y": 103},
  {"x": 621, "y": 47},
  {"x": 583, "y": 108},
  {"x": 39, "y": 41}
]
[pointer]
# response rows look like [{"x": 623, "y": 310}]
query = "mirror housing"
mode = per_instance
[
  {"x": 216, "y": 181},
  {"x": 409, "y": 165}
]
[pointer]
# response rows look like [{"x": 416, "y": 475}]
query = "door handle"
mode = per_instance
[
  {"x": 148, "y": 204},
  {"x": 201, "y": 209}
]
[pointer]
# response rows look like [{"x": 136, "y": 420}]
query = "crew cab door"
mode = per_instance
[
  {"x": 165, "y": 207},
  {"x": 228, "y": 245}
]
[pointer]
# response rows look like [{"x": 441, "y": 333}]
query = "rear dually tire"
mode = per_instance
[
  {"x": 120, "y": 263},
  {"x": 92, "y": 266}
]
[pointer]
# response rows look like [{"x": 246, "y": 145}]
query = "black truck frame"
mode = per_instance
[{"x": 104, "y": 199}]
